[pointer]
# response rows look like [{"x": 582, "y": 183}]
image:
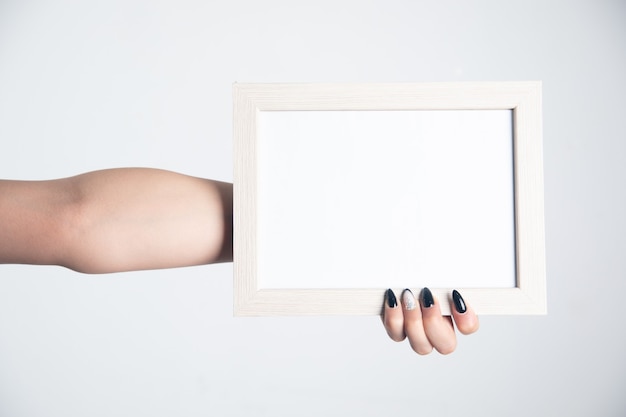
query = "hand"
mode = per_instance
[{"x": 422, "y": 323}]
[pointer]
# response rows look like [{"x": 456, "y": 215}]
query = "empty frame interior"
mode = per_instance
[
  {"x": 342, "y": 191},
  {"x": 367, "y": 199}
]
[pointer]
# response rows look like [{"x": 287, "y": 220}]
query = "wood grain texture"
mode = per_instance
[{"x": 523, "y": 98}]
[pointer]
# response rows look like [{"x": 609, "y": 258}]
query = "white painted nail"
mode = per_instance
[{"x": 408, "y": 299}]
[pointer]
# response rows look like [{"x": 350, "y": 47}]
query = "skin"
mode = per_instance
[
  {"x": 116, "y": 220},
  {"x": 133, "y": 219},
  {"x": 424, "y": 327}
]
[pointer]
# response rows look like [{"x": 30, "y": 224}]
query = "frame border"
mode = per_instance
[{"x": 522, "y": 97}]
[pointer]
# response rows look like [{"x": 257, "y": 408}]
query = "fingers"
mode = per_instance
[
  {"x": 414, "y": 325},
  {"x": 464, "y": 317},
  {"x": 438, "y": 329},
  {"x": 393, "y": 319},
  {"x": 422, "y": 323}
]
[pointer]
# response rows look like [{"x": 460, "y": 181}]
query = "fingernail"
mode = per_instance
[
  {"x": 408, "y": 299},
  {"x": 427, "y": 298},
  {"x": 391, "y": 299},
  {"x": 459, "y": 302}
]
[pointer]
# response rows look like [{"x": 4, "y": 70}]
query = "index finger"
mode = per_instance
[{"x": 393, "y": 318}]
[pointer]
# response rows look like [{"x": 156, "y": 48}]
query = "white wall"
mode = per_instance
[{"x": 88, "y": 85}]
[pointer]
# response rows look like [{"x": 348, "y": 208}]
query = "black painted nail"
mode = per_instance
[
  {"x": 459, "y": 302},
  {"x": 391, "y": 299},
  {"x": 427, "y": 298}
]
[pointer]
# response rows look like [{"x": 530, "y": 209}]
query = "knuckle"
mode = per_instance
[
  {"x": 421, "y": 349},
  {"x": 396, "y": 337},
  {"x": 394, "y": 323},
  {"x": 424, "y": 351},
  {"x": 469, "y": 328},
  {"x": 413, "y": 323},
  {"x": 446, "y": 349}
]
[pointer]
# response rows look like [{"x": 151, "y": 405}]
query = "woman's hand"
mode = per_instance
[{"x": 422, "y": 323}]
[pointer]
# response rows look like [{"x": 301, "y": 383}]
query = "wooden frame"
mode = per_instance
[{"x": 522, "y": 98}]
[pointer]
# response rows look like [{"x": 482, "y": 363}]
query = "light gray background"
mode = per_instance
[{"x": 89, "y": 85}]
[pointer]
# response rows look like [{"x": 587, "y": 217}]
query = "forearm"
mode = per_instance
[
  {"x": 117, "y": 220},
  {"x": 34, "y": 221}
]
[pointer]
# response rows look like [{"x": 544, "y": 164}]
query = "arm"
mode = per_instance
[
  {"x": 116, "y": 220},
  {"x": 134, "y": 219}
]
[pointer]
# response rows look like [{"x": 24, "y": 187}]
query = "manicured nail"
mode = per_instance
[
  {"x": 459, "y": 302},
  {"x": 408, "y": 299},
  {"x": 391, "y": 299},
  {"x": 427, "y": 298}
]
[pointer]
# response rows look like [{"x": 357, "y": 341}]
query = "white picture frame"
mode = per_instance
[{"x": 526, "y": 294}]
